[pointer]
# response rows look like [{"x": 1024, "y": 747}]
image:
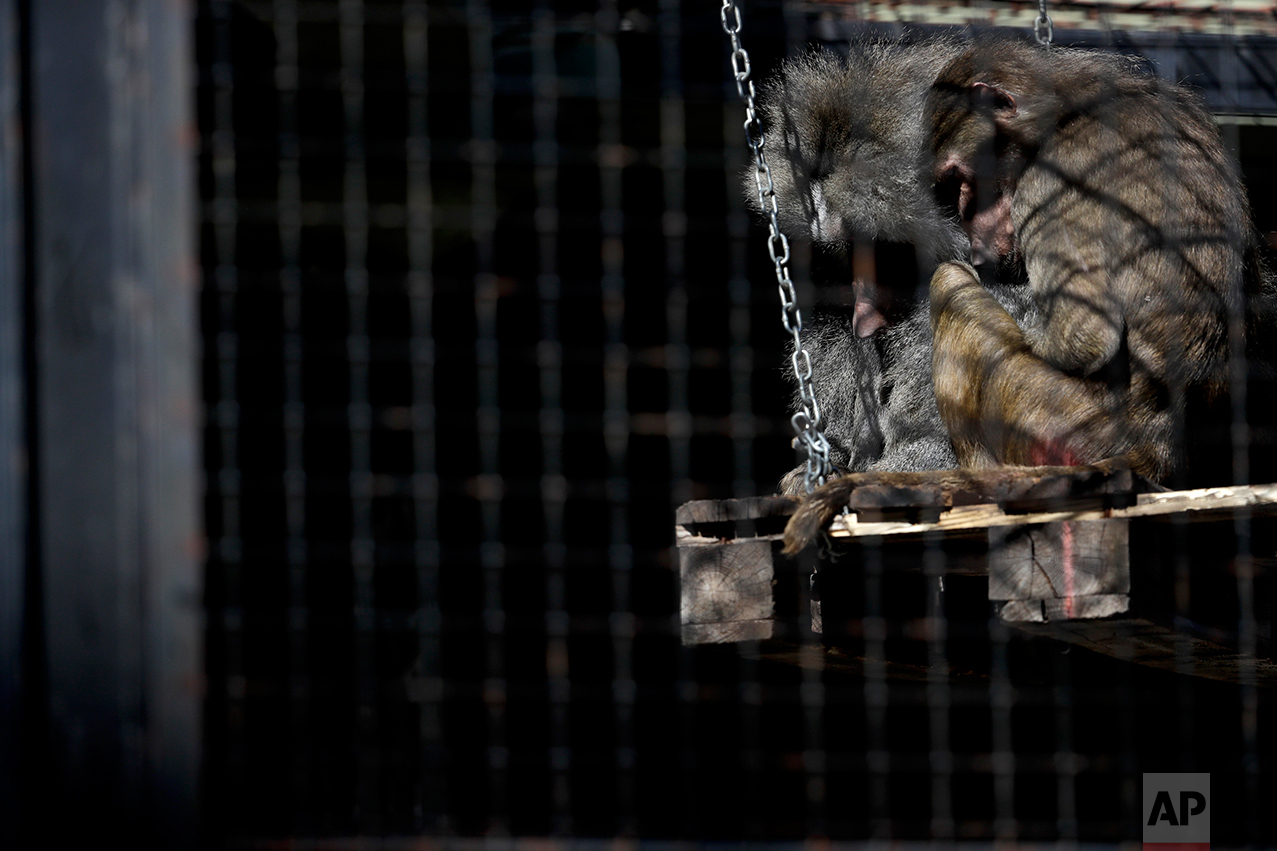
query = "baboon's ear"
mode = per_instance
[{"x": 993, "y": 98}]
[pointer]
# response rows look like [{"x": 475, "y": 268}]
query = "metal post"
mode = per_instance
[
  {"x": 12, "y": 448},
  {"x": 117, "y": 409}
]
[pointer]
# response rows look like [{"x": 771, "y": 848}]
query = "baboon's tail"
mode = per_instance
[{"x": 815, "y": 512}]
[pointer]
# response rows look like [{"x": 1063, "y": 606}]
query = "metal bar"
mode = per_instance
[
  {"x": 431, "y": 790},
  {"x": 117, "y": 408},
  {"x": 12, "y": 416}
]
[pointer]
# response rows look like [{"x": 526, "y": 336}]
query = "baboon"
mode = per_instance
[
  {"x": 852, "y": 167},
  {"x": 1094, "y": 264},
  {"x": 1113, "y": 189}
]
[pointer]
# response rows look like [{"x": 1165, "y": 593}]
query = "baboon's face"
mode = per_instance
[{"x": 852, "y": 168}]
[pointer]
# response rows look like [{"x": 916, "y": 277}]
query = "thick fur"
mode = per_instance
[
  {"x": 852, "y": 161},
  {"x": 1114, "y": 188},
  {"x": 876, "y": 394},
  {"x": 852, "y": 154}
]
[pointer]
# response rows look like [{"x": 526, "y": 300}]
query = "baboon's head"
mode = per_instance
[{"x": 851, "y": 162}]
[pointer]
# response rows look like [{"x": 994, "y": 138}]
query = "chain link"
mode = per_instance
[
  {"x": 807, "y": 421},
  {"x": 1043, "y": 24}
]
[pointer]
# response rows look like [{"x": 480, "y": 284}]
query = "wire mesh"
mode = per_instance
[{"x": 482, "y": 305}]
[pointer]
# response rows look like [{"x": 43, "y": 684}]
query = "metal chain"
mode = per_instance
[
  {"x": 807, "y": 421},
  {"x": 1043, "y": 23}
]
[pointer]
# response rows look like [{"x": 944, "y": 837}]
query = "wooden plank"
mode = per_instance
[
  {"x": 1206, "y": 503},
  {"x": 1198, "y": 505},
  {"x": 729, "y": 510},
  {"x": 684, "y": 538},
  {"x": 1146, "y": 643}
]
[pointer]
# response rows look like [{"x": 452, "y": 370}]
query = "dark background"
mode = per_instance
[{"x": 481, "y": 305}]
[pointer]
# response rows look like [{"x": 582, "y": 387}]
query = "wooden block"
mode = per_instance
[
  {"x": 1060, "y": 571},
  {"x": 813, "y": 603},
  {"x": 727, "y": 633},
  {"x": 726, "y": 592},
  {"x": 726, "y": 510},
  {"x": 1065, "y": 608}
]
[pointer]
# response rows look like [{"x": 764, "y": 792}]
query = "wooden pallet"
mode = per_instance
[{"x": 1080, "y": 555}]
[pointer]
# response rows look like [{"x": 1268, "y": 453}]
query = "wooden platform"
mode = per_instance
[{"x": 1091, "y": 556}]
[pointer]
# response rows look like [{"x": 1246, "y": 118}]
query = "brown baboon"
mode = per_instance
[{"x": 1114, "y": 190}]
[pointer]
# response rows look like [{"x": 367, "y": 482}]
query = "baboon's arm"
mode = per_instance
[{"x": 1002, "y": 403}]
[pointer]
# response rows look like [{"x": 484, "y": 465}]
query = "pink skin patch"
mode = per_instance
[
  {"x": 871, "y": 299},
  {"x": 1054, "y": 453},
  {"x": 867, "y": 318},
  {"x": 990, "y": 229}
]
